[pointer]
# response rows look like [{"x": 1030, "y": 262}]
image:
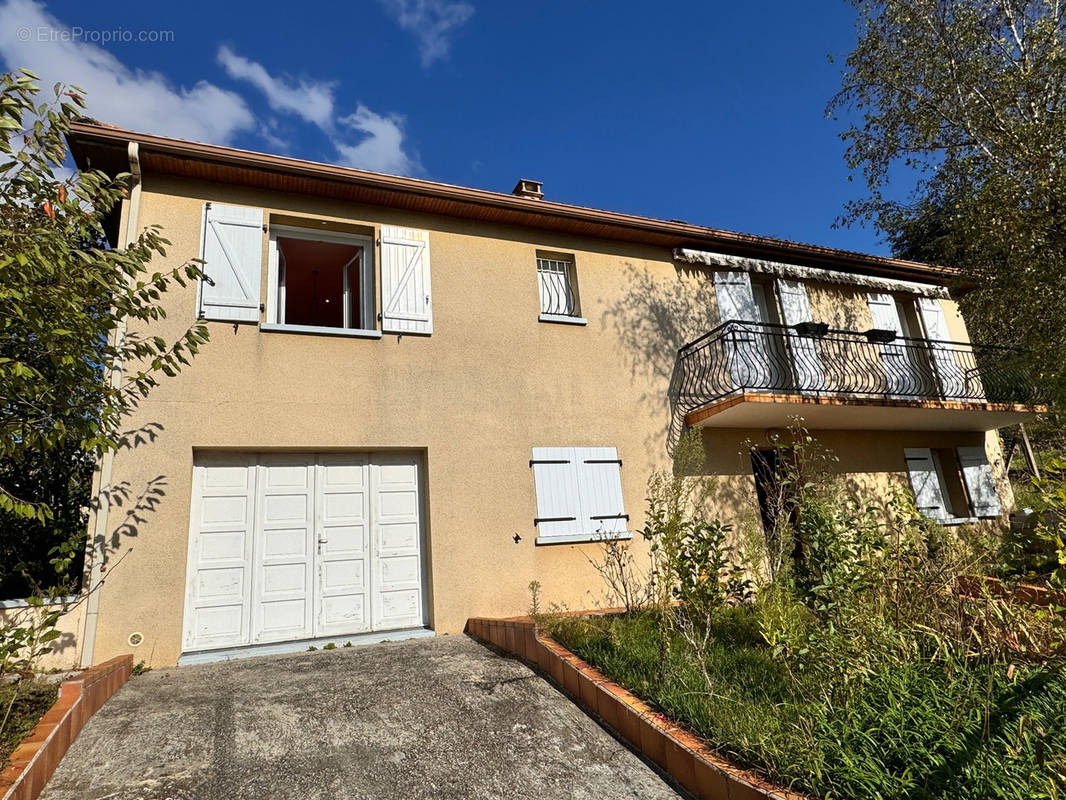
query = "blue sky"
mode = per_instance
[{"x": 708, "y": 112}]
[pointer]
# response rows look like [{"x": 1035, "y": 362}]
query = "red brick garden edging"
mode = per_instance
[
  {"x": 978, "y": 585},
  {"x": 37, "y": 757},
  {"x": 698, "y": 768}
]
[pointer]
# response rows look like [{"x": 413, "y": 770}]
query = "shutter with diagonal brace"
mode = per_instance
[
  {"x": 980, "y": 484},
  {"x": 406, "y": 294},
  {"x": 928, "y": 494},
  {"x": 232, "y": 250}
]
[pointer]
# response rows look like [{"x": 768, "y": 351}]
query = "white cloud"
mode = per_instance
[
  {"x": 311, "y": 101},
  {"x": 431, "y": 21},
  {"x": 381, "y": 144},
  {"x": 136, "y": 99}
]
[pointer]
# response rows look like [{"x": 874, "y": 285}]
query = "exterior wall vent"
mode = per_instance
[{"x": 528, "y": 188}]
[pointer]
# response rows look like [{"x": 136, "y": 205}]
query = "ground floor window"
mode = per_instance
[{"x": 952, "y": 484}]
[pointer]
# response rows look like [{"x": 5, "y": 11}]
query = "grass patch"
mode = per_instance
[
  {"x": 911, "y": 729},
  {"x": 33, "y": 698}
]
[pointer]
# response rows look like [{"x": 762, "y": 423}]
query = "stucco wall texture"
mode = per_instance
[{"x": 473, "y": 398}]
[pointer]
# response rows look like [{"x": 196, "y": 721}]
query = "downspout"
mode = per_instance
[{"x": 102, "y": 479}]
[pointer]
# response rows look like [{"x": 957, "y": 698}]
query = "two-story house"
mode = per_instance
[{"x": 418, "y": 398}]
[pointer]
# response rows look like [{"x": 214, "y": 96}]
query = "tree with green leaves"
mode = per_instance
[
  {"x": 971, "y": 94},
  {"x": 72, "y": 309}
]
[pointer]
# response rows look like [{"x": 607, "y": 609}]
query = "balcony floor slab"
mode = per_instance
[{"x": 837, "y": 412}]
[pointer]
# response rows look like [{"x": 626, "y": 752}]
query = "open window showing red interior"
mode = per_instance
[{"x": 321, "y": 283}]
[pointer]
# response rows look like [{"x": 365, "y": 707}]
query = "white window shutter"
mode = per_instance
[
  {"x": 928, "y": 495},
  {"x": 558, "y": 498},
  {"x": 806, "y": 360},
  {"x": 948, "y": 372},
  {"x": 884, "y": 312},
  {"x": 406, "y": 294},
  {"x": 735, "y": 299},
  {"x": 980, "y": 484},
  {"x": 600, "y": 487},
  {"x": 232, "y": 250}
]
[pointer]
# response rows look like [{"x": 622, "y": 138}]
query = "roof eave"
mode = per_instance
[{"x": 412, "y": 193}]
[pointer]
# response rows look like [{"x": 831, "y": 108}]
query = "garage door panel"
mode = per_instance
[
  {"x": 343, "y": 545},
  {"x": 290, "y": 546},
  {"x": 279, "y": 543},
  {"x": 281, "y": 509},
  {"x": 284, "y": 579},
  {"x": 397, "y": 572},
  {"x": 400, "y": 609},
  {"x": 222, "y": 546},
  {"x": 218, "y": 625},
  {"x": 220, "y": 586},
  {"x": 224, "y": 511},
  {"x": 343, "y": 576},
  {"x": 284, "y": 550},
  {"x": 283, "y": 619},
  {"x": 345, "y": 540},
  {"x": 399, "y": 538}
]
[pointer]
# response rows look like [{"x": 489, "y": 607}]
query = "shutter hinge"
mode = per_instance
[
  {"x": 538, "y": 520},
  {"x": 264, "y": 228},
  {"x": 613, "y": 516},
  {"x": 617, "y": 461},
  {"x": 533, "y": 461}
]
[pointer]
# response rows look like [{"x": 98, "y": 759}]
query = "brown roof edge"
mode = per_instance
[{"x": 104, "y": 146}]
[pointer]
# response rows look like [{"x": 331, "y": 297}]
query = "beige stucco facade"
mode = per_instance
[{"x": 472, "y": 399}]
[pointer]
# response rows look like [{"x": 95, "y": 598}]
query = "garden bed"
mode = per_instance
[
  {"x": 919, "y": 728},
  {"x": 32, "y": 699}
]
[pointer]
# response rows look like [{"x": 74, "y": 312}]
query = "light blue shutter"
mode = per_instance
[
  {"x": 980, "y": 484},
  {"x": 806, "y": 360},
  {"x": 232, "y": 250},
  {"x": 948, "y": 373},
  {"x": 745, "y": 345},
  {"x": 600, "y": 488},
  {"x": 928, "y": 494},
  {"x": 558, "y": 498},
  {"x": 900, "y": 377}
]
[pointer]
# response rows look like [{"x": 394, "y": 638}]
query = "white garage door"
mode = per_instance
[{"x": 290, "y": 546}]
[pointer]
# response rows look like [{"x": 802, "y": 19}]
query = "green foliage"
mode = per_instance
[
  {"x": 46, "y": 557},
  {"x": 63, "y": 291},
  {"x": 958, "y": 730},
  {"x": 857, "y": 669},
  {"x": 692, "y": 572},
  {"x": 72, "y": 310},
  {"x": 971, "y": 95},
  {"x": 1049, "y": 517}
]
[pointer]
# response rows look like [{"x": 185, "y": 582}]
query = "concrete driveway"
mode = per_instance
[{"x": 427, "y": 718}]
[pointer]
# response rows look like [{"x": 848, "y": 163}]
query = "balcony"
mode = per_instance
[{"x": 759, "y": 375}]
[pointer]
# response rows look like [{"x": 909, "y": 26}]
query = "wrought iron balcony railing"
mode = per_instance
[{"x": 813, "y": 359}]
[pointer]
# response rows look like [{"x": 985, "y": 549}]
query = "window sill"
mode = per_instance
[
  {"x": 583, "y": 538},
  {"x": 958, "y": 520},
  {"x": 563, "y": 319},
  {"x": 319, "y": 330}
]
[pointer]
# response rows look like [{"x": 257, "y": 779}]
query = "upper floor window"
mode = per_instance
[
  {"x": 321, "y": 279},
  {"x": 558, "y": 289}
]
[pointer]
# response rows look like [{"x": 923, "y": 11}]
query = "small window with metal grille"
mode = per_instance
[{"x": 558, "y": 291}]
